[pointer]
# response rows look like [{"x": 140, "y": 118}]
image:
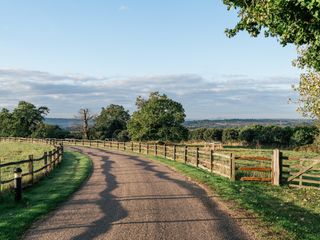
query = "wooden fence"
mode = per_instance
[
  {"x": 301, "y": 172},
  {"x": 221, "y": 164},
  {"x": 33, "y": 169},
  {"x": 273, "y": 169},
  {"x": 276, "y": 169}
]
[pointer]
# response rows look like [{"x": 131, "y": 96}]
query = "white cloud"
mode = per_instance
[{"x": 226, "y": 96}]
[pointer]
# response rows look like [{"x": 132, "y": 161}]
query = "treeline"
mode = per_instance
[
  {"x": 157, "y": 118},
  {"x": 259, "y": 135},
  {"x": 26, "y": 120}
]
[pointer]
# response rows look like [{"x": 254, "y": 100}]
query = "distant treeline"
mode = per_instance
[
  {"x": 235, "y": 123},
  {"x": 258, "y": 135}
]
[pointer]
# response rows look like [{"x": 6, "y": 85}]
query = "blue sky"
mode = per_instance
[{"x": 68, "y": 54}]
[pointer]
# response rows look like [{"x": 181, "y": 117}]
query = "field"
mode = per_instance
[{"x": 12, "y": 151}]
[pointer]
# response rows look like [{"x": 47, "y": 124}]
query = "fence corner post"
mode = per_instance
[{"x": 276, "y": 171}]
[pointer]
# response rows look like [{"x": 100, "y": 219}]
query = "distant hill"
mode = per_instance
[
  {"x": 70, "y": 123},
  {"x": 66, "y": 123}
]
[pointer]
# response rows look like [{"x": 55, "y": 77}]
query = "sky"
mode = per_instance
[{"x": 70, "y": 54}]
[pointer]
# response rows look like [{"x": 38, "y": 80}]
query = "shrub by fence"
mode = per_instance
[{"x": 32, "y": 168}]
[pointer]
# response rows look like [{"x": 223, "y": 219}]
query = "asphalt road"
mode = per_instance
[{"x": 129, "y": 197}]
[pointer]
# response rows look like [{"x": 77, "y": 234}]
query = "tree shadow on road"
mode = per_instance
[{"x": 111, "y": 205}]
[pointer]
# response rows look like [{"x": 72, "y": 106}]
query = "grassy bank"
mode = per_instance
[
  {"x": 43, "y": 197},
  {"x": 288, "y": 213}
]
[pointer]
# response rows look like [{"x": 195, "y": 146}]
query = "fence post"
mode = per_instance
[
  {"x": 50, "y": 160},
  {"x": 174, "y": 152},
  {"x": 30, "y": 166},
  {"x": 131, "y": 146},
  {"x": 139, "y": 147},
  {"x": 211, "y": 160},
  {"x": 61, "y": 153},
  {"x": 155, "y": 149},
  {"x": 165, "y": 150},
  {"x": 118, "y": 145},
  {"x": 18, "y": 184},
  {"x": 185, "y": 154},
  {"x": 276, "y": 165},
  {"x": 97, "y": 143},
  {"x": 45, "y": 157},
  {"x": 124, "y": 146},
  {"x": 197, "y": 156},
  {"x": 232, "y": 167}
]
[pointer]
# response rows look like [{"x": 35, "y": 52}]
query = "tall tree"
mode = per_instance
[
  {"x": 26, "y": 117},
  {"x": 86, "y": 116},
  {"x": 111, "y": 121},
  {"x": 291, "y": 22},
  {"x": 157, "y": 118}
]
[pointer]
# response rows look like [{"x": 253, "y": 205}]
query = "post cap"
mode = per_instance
[{"x": 18, "y": 170}]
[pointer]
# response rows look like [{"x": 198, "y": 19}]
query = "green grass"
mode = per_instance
[
  {"x": 13, "y": 151},
  {"x": 288, "y": 213},
  {"x": 43, "y": 197}
]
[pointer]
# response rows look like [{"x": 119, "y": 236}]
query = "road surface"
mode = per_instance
[{"x": 129, "y": 197}]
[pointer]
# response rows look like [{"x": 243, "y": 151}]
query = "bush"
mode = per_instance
[{"x": 230, "y": 135}]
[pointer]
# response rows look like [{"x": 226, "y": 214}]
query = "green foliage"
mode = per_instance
[
  {"x": 230, "y": 135},
  {"x": 258, "y": 135},
  {"x": 157, "y": 118},
  {"x": 23, "y": 121},
  {"x": 123, "y": 136},
  {"x": 304, "y": 135},
  {"x": 49, "y": 131},
  {"x": 292, "y": 22},
  {"x": 295, "y": 22},
  {"x": 197, "y": 134},
  {"x": 111, "y": 121},
  {"x": 213, "y": 134},
  {"x": 5, "y": 123},
  {"x": 309, "y": 89}
]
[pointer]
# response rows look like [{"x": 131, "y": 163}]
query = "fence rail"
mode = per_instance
[{"x": 33, "y": 168}]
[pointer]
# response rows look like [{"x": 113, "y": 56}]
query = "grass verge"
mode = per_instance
[
  {"x": 43, "y": 197},
  {"x": 288, "y": 213}
]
